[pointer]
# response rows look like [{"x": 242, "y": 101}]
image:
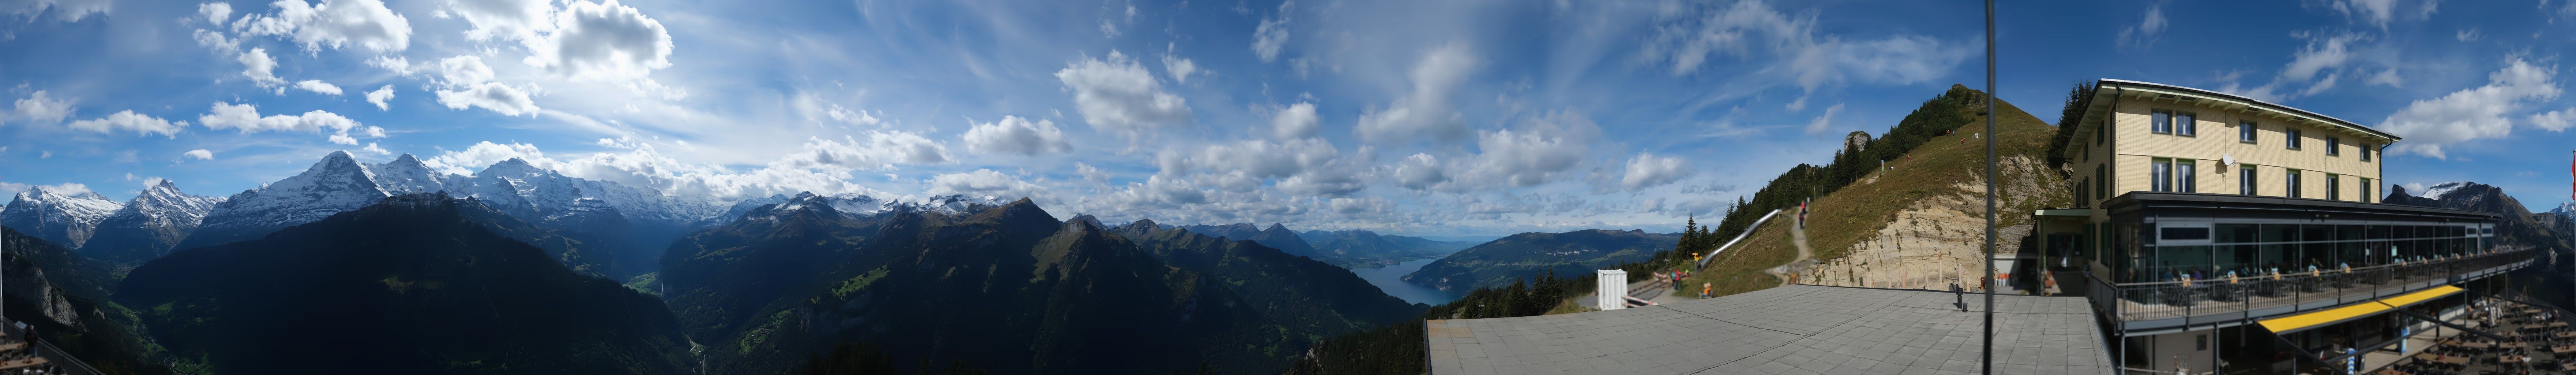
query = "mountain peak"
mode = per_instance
[
  {"x": 406, "y": 158},
  {"x": 512, "y": 167},
  {"x": 1276, "y": 227}
]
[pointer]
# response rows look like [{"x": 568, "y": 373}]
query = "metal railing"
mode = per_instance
[{"x": 2300, "y": 291}]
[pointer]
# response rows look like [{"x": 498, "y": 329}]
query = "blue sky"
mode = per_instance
[{"x": 1411, "y": 117}]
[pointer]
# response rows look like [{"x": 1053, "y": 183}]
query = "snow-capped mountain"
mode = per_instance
[
  {"x": 337, "y": 183},
  {"x": 149, "y": 225},
  {"x": 2565, "y": 210},
  {"x": 534, "y": 194},
  {"x": 2436, "y": 191},
  {"x": 859, "y": 205},
  {"x": 63, "y": 219}
]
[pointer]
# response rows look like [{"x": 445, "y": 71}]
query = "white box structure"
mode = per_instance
[{"x": 1614, "y": 289}]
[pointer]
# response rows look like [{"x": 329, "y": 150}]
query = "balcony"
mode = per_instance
[{"x": 2173, "y": 306}]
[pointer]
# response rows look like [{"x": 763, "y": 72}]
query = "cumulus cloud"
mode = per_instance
[
  {"x": 199, "y": 154},
  {"x": 1811, "y": 59},
  {"x": 1648, "y": 170},
  {"x": 1427, "y": 111},
  {"x": 638, "y": 164},
  {"x": 1181, "y": 69},
  {"x": 880, "y": 150},
  {"x": 1015, "y": 135},
  {"x": 64, "y": 10},
  {"x": 333, "y": 23},
  {"x": 1824, "y": 122},
  {"x": 130, "y": 121},
  {"x": 318, "y": 87},
  {"x": 1422, "y": 171},
  {"x": 2476, "y": 113},
  {"x": 2144, "y": 33},
  {"x": 2555, "y": 121},
  {"x": 1295, "y": 121},
  {"x": 259, "y": 67},
  {"x": 40, "y": 107},
  {"x": 2381, "y": 12},
  {"x": 601, "y": 41},
  {"x": 1548, "y": 146},
  {"x": 1272, "y": 34},
  {"x": 381, "y": 97},
  {"x": 503, "y": 19},
  {"x": 246, "y": 119},
  {"x": 215, "y": 13},
  {"x": 983, "y": 182},
  {"x": 1118, "y": 94},
  {"x": 463, "y": 70},
  {"x": 494, "y": 96},
  {"x": 858, "y": 117}
]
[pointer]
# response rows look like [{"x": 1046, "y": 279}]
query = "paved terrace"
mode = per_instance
[{"x": 1796, "y": 329}]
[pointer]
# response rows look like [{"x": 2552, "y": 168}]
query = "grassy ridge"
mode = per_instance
[{"x": 1943, "y": 166}]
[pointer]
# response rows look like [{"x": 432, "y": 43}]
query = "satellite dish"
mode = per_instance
[{"x": 2227, "y": 160}]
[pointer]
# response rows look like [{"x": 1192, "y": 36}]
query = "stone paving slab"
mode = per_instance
[{"x": 1796, "y": 329}]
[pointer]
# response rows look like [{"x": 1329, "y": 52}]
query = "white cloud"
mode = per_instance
[
  {"x": 2474, "y": 113},
  {"x": 1647, "y": 170},
  {"x": 2555, "y": 121},
  {"x": 1542, "y": 149},
  {"x": 1271, "y": 35},
  {"x": 601, "y": 41},
  {"x": 1118, "y": 94},
  {"x": 246, "y": 118},
  {"x": 64, "y": 10},
  {"x": 130, "y": 121},
  {"x": 259, "y": 67},
  {"x": 639, "y": 164},
  {"x": 200, "y": 154},
  {"x": 2144, "y": 33},
  {"x": 2320, "y": 54},
  {"x": 1295, "y": 121},
  {"x": 2469, "y": 35},
  {"x": 216, "y": 40},
  {"x": 506, "y": 100},
  {"x": 1015, "y": 135},
  {"x": 215, "y": 13},
  {"x": 381, "y": 97},
  {"x": 1812, "y": 60},
  {"x": 1181, "y": 69},
  {"x": 42, "y": 108},
  {"x": 333, "y": 23},
  {"x": 2388, "y": 78},
  {"x": 1089, "y": 173},
  {"x": 1427, "y": 111},
  {"x": 318, "y": 87},
  {"x": 506, "y": 19},
  {"x": 2380, "y": 12},
  {"x": 463, "y": 70},
  {"x": 882, "y": 149},
  {"x": 982, "y": 182},
  {"x": 1824, "y": 122},
  {"x": 859, "y": 117},
  {"x": 1421, "y": 171}
]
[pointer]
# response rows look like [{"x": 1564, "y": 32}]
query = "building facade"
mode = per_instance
[{"x": 2209, "y": 230}]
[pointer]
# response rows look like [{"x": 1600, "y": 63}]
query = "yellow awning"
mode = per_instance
[{"x": 2340, "y": 314}]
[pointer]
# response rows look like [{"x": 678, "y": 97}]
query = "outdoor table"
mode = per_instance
[
  {"x": 2563, "y": 349},
  {"x": 2564, "y": 335}
]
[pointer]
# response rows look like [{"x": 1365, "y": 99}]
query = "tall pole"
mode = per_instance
[{"x": 1991, "y": 112}]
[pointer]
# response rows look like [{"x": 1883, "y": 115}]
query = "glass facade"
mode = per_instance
[{"x": 2201, "y": 251}]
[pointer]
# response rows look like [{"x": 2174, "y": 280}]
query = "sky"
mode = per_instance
[{"x": 1403, "y": 117}]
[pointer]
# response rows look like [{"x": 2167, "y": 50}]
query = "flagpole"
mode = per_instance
[{"x": 1991, "y": 112}]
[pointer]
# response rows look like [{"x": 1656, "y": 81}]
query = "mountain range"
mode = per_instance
[
  {"x": 65, "y": 220},
  {"x": 1527, "y": 255},
  {"x": 413, "y": 284},
  {"x": 1347, "y": 248},
  {"x": 149, "y": 226}
]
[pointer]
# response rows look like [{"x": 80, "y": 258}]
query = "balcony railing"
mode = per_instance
[{"x": 2193, "y": 302}]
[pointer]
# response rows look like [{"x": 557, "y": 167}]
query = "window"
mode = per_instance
[
  {"x": 2293, "y": 136},
  {"x": 2200, "y": 342},
  {"x": 2245, "y": 132},
  {"x": 2104, "y": 134},
  {"x": 2185, "y": 233},
  {"x": 2365, "y": 190},
  {"x": 2291, "y": 182},
  {"x": 2102, "y": 172},
  {"x": 2185, "y": 124},
  {"x": 2365, "y": 151},
  {"x": 2334, "y": 191},
  {"x": 2184, "y": 172},
  {"x": 2245, "y": 180},
  {"x": 2083, "y": 192},
  {"x": 2159, "y": 121},
  {"x": 2334, "y": 146},
  {"x": 2160, "y": 173}
]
